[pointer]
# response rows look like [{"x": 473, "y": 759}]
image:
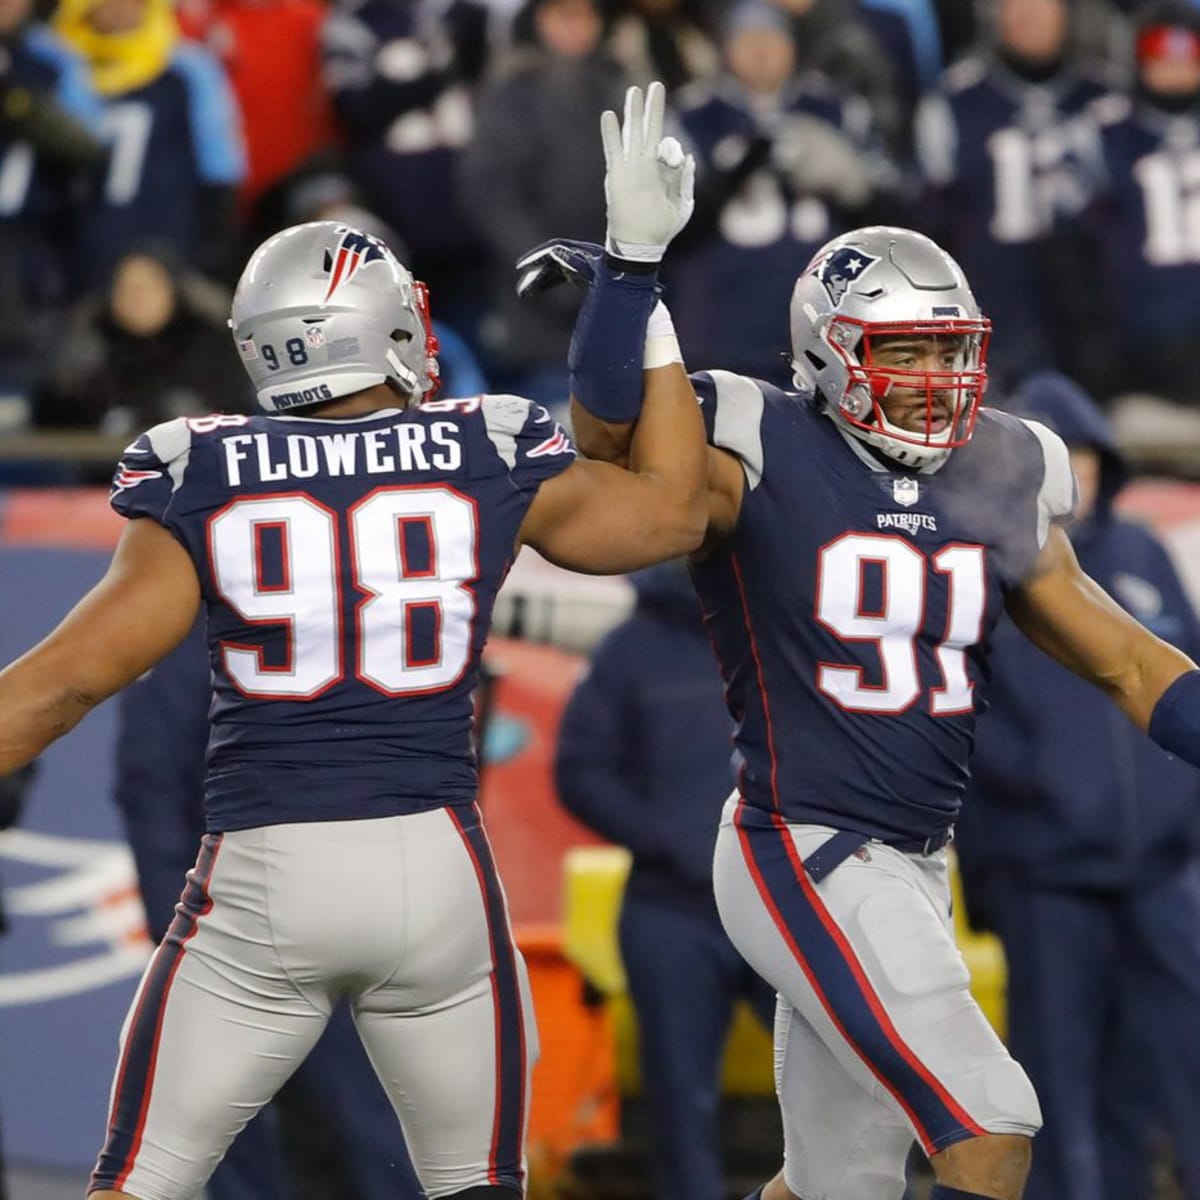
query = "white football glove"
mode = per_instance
[{"x": 648, "y": 181}]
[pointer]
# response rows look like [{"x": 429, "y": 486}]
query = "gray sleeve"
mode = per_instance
[
  {"x": 733, "y": 415},
  {"x": 1056, "y": 496}
]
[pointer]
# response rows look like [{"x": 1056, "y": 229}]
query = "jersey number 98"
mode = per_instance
[{"x": 305, "y": 597}]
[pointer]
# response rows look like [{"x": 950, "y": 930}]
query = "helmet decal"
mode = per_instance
[
  {"x": 353, "y": 251},
  {"x": 839, "y": 270},
  {"x": 898, "y": 360},
  {"x": 324, "y": 310}
]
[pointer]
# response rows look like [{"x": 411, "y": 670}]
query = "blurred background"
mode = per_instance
[{"x": 1053, "y": 146}]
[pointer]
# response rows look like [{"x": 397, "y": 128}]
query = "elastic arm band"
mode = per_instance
[
  {"x": 1175, "y": 721},
  {"x": 608, "y": 345}
]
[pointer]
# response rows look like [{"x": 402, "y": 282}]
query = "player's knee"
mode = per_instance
[
  {"x": 1011, "y": 1101},
  {"x": 487, "y": 1191},
  {"x": 994, "y": 1164}
]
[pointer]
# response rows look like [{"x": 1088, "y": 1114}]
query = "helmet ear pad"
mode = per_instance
[
  {"x": 323, "y": 310},
  {"x": 884, "y": 282}
]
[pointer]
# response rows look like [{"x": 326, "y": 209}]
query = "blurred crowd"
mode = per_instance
[{"x": 1053, "y": 146}]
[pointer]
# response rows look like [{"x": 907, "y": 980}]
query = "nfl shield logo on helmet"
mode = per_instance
[
  {"x": 906, "y": 491},
  {"x": 842, "y": 268}
]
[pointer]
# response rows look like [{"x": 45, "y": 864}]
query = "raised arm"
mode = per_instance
[
  {"x": 141, "y": 609},
  {"x": 603, "y": 519},
  {"x": 1070, "y": 617}
]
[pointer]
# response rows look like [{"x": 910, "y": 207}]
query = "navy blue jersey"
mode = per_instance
[
  {"x": 38, "y": 196},
  {"x": 1004, "y": 160},
  {"x": 348, "y": 569},
  {"x": 169, "y": 140},
  {"x": 852, "y": 608},
  {"x": 42, "y": 63},
  {"x": 1145, "y": 236}
]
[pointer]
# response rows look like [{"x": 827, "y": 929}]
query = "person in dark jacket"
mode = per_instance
[
  {"x": 643, "y": 749},
  {"x": 161, "y": 740},
  {"x": 1080, "y": 846},
  {"x": 150, "y": 346},
  {"x": 533, "y": 170}
]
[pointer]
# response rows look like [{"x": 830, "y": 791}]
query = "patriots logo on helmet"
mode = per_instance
[
  {"x": 353, "y": 252},
  {"x": 842, "y": 268}
]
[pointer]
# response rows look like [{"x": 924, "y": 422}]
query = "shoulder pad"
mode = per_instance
[
  {"x": 733, "y": 417},
  {"x": 167, "y": 441},
  {"x": 504, "y": 417},
  {"x": 1056, "y": 496}
]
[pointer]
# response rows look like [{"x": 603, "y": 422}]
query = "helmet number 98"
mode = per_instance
[{"x": 294, "y": 348}]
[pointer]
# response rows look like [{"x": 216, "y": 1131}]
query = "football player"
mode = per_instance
[
  {"x": 347, "y": 545},
  {"x": 864, "y": 532}
]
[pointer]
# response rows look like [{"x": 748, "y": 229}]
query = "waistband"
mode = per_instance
[{"x": 831, "y": 853}]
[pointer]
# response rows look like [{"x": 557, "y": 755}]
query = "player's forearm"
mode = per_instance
[
  {"x": 35, "y": 709},
  {"x": 1155, "y": 666},
  {"x": 668, "y": 453}
]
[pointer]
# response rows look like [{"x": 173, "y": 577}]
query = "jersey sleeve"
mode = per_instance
[
  {"x": 1057, "y": 495},
  {"x": 151, "y": 470},
  {"x": 732, "y": 406},
  {"x": 532, "y": 445}
]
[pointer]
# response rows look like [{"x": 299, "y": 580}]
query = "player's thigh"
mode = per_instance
[
  {"x": 214, "y": 1030},
  {"x": 841, "y": 1140},
  {"x": 866, "y": 957},
  {"x": 451, "y": 1032}
]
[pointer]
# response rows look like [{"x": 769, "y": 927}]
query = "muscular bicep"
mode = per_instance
[
  {"x": 605, "y": 441},
  {"x": 603, "y": 520},
  {"x": 1069, "y": 616},
  {"x": 141, "y": 609}
]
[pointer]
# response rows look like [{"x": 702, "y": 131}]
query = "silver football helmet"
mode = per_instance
[
  {"x": 881, "y": 286},
  {"x": 323, "y": 310}
]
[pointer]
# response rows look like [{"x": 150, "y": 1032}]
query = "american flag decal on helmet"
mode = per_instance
[
  {"x": 558, "y": 443},
  {"x": 353, "y": 251},
  {"x": 126, "y": 479}
]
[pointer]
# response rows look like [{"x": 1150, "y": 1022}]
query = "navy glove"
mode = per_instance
[{"x": 557, "y": 261}]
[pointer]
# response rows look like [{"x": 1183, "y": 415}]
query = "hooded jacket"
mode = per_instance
[
  {"x": 644, "y": 746},
  {"x": 1066, "y": 792}
]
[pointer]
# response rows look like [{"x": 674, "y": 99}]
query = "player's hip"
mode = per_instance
[{"x": 410, "y": 901}]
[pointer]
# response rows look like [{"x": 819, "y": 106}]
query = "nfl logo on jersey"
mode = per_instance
[{"x": 906, "y": 491}]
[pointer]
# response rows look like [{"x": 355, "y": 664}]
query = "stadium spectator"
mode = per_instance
[
  {"x": 670, "y": 40},
  {"x": 286, "y": 111},
  {"x": 321, "y": 190},
  {"x": 151, "y": 347},
  {"x": 784, "y": 163},
  {"x": 642, "y": 757},
  {"x": 1079, "y": 843},
  {"x": 532, "y": 171},
  {"x": 1136, "y": 260},
  {"x": 176, "y": 157},
  {"x": 834, "y": 39},
  {"x": 162, "y": 733},
  {"x": 49, "y": 123},
  {"x": 908, "y": 32},
  {"x": 400, "y": 74},
  {"x": 1002, "y": 154}
]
